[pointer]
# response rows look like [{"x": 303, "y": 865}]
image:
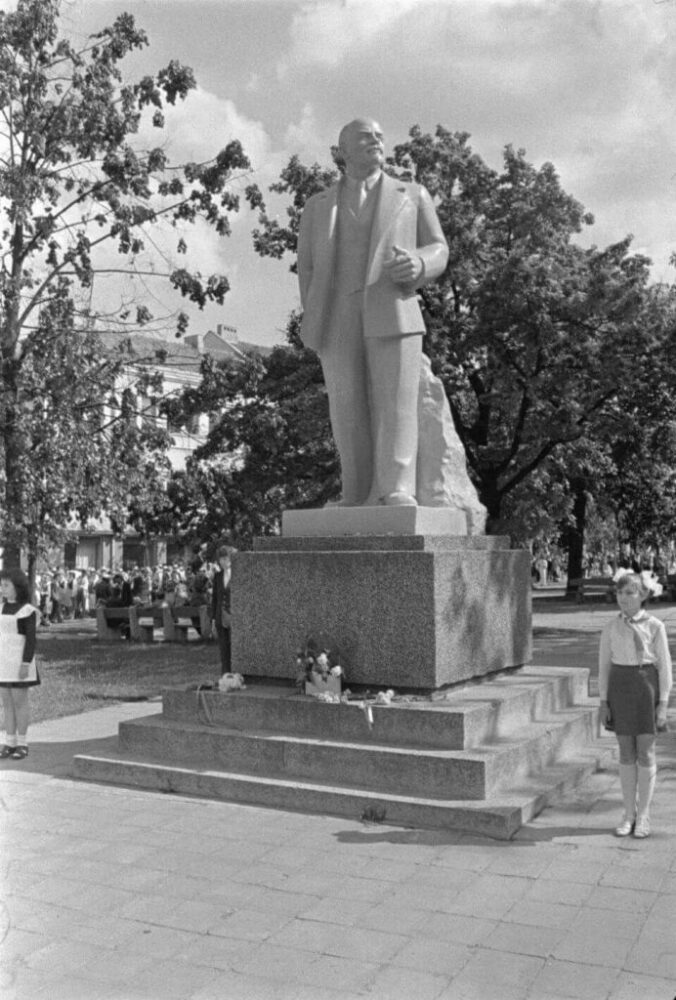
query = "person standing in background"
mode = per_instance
[{"x": 220, "y": 604}]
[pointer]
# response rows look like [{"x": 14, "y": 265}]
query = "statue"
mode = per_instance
[{"x": 364, "y": 248}]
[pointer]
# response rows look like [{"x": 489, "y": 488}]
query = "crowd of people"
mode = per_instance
[
  {"x": 77, "y": 593},
  {"x": 548, "y": 564}
]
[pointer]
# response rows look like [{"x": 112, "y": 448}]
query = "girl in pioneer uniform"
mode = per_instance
[
  {"x": 634, "y": 685},
  {"x": 18, "y": 671}
]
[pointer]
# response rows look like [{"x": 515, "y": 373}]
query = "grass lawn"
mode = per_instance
[{"x": 80, "y": 673}]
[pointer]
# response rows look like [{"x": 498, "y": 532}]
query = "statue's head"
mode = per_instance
[{"x": 360, "y": 145}]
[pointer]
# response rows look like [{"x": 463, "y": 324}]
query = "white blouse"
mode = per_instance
[{"x": 620, "y": 642}]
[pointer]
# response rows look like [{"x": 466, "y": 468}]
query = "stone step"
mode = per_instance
[
  {"x": 459, "y": 719},
  {"x": 500, "y": 818},
  {"x": 454, "y": 774}
]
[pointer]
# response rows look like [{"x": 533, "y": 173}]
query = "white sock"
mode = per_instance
[
  {"x": 22, "y": 739},
  {"x": 11, "y": 740}
]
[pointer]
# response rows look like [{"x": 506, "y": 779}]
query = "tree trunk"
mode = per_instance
[
  {"x": 491, "y": 497},
  {"x": 575, "y": 537},
  {"x": 10, "y": 542}
]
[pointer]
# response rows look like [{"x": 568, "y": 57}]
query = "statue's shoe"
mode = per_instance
[
  {"x": 400, "y": 499},
  {"x": 339, "y": 503}
]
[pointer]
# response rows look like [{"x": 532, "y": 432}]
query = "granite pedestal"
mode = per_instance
[{"x": 408, "y": 611}]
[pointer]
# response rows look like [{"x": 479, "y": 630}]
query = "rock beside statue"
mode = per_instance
[{"x": 442, "y": 478}]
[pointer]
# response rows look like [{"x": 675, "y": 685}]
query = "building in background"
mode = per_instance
[{"x": 97, "y": 546}]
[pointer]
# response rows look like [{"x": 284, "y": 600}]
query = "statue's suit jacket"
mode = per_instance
[{"x": 405, "y": 216}]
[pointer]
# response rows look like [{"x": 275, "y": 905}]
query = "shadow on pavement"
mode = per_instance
[{"x": 56, "y": 758}]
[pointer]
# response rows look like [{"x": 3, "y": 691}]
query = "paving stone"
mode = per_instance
[
  {"x": 189, "y": 915},
  {"x": 214, "y": 951},
  {"x": 251, "y": 925},
  {"x": 629, "y": 900},
  {"x": 171, "y": 980},
  {"x": 290, "y": 903},
  {"x": 646, "y": 878},
  {"x": 548, "y": 890},
  {"x": 270, "y": 961},
  {"x": 523, "y": 939},
  {"x": 571, "y": 871},
  {"x": 456, "y": 929},
  {"x": 405, "y": 984},
  {"x": 159, "y": 942},
  {"x": 542, "y": 914},
  {"x": 573, "y": 981},
  {"x": 494, "y": 973},
  {"x": 600, "y": 948},
  {"x": 351, "y": 976},
  {"x": 654, "y": 949},
  {"x": 524, "y": 862},
  {"x": 388, "y": 916},
  {"x": 632, "y": 986},
  {"x": 65, "y": 988},
  {"x": 16, "y": 945},
  {"x": 433, "y": 956},
  {"x": 423, "y": 896},
  {"x": 494, "y": 894},
  {"x": 364, "y": 944},
  {"x": 665, "y": 908},
  {"x": 348, "y": 912}
]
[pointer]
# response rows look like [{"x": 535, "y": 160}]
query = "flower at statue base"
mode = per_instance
[
  {"x": 317, "y": 670},
  {"x": 231, "y": 682},
  {"x": 385, "y": 697}
]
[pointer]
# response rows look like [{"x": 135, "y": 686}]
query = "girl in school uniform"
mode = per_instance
[
  {"x": 634, "y": 685},
  {"x": 18, "y": 671}
]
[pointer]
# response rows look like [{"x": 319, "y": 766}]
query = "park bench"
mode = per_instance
[
  {"x": 178, "y": 620},
  {"x": 141, "y": 621},
  {"x": 594, "y": 587}
]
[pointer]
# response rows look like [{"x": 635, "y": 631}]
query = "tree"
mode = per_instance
[
  {"x": 71, "y": 184},
  {"x": 622, "y": 469},
  {"x": 90, "y": 450},
  {"x": 269, "y": 447},
  {"x": 640, "y": 431},
  {"x": 531, "y": 334}
]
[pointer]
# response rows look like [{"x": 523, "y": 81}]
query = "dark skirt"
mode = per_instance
[{"x": 633, "y": 693}]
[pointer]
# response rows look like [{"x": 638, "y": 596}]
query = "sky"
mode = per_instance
[{"x": 587, "y": 85}]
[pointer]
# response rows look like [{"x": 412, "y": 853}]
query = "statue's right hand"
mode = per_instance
[{"x": 404, "y": 267}]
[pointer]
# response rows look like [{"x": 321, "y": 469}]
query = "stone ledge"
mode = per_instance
[
  {"x": 329, "y": 521},
  {"x": 381, "y": 543}
]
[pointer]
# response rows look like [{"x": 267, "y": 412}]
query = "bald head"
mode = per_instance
[{"x": 361, "y": 145}]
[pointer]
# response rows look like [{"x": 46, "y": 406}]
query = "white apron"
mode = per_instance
[{"x": 12, "y": 647}]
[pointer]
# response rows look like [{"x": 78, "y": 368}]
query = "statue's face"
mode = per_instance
[{"x": 361, "y": 143}]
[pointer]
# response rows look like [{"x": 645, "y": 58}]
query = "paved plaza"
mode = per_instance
[{"x": 118, "y": 894}]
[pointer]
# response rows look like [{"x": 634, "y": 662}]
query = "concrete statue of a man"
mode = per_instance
[
  {"x": 364, "y": 248},
  {"x": 365, "y": 245}
]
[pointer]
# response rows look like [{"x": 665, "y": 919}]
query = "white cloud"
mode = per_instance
[{"x": 327, "y": 31}]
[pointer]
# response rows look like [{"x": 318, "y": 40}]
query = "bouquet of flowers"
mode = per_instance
[{"x": 318, "y": 670}]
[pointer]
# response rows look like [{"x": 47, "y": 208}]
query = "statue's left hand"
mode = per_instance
[{"x": 404, "y": 268}]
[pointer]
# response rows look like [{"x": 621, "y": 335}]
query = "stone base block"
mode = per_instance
[
  {"x": 328, "y": 521},
  {"x": 409, "y": 618}
]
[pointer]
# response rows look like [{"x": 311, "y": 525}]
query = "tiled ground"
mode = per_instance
[{"x": 119, "y": 894}]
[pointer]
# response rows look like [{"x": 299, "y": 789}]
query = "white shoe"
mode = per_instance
[
  {"x": 625, "y": 828},
  {"x": 642, "y": 828}
]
